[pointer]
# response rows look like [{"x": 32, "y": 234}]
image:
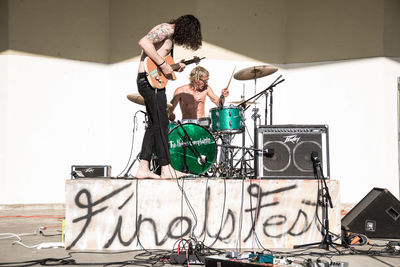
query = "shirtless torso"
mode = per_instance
[
  {"x": 192, "y": 102},
  {"x": 192, "y": 98}
]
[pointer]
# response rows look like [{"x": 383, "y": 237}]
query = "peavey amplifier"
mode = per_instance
[
  {"x": 90, "y": 171},
  {"x": 287, "y": 151}
]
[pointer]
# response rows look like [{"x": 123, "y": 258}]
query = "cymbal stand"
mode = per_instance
[
  {"x": 256, "y": 116},
  {"x": 243, "y": 163},
  {"x": 243, "y": 160}
]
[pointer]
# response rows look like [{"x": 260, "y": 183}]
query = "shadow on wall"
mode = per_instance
[
  {"x": 107, "y": 31},
  {"x": 3, "y": 25}
]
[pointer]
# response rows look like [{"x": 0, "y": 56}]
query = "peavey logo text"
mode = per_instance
[
  {"x": 89, "y": 170},
  {"x": 292, "y": 139}
]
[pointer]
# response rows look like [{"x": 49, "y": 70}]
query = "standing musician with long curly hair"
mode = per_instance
[{"x": 156, "y": 45}]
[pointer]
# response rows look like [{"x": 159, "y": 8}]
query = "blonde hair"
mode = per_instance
[{"x": 197, "y": 73}]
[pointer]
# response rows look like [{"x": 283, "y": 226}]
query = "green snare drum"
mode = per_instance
[
  {"x": 227, "y": 119},
  {"x": 202, "y": 140}
]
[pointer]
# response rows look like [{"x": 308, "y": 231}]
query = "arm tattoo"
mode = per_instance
[{"x": 158, "y": 34}]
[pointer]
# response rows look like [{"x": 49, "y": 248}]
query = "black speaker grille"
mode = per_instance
[{"x": 292, "y": 147}]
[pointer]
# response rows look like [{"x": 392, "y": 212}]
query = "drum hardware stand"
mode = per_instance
[
  {"x": 243, "y": 169},
  {"x": 225, "y": 160},
  {"x": 324, "y": 199}
]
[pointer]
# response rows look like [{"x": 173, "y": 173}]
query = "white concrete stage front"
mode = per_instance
[{"x": 119, "y": 214}]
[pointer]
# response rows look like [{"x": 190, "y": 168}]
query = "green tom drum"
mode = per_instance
[
  {"x": 227, "y": 119},
  {"x": 202, "y": 141}
]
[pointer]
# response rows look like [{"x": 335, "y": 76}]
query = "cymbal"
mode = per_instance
[
  {"x": 138, "y": 99},
  {"x": 255, "y": 72},
  {"x": 241, "y": 101}
]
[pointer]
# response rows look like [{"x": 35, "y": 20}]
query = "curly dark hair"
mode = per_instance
[{"x": 187, "y": 32}]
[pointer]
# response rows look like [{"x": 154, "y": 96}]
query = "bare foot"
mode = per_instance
[
  {"x": 146, "y": 174},
  {"x": 168, "y": 172},
  {"x": 144, "y": 171}
]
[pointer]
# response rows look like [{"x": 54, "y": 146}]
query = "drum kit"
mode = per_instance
[{"x": 204, "y": 146}]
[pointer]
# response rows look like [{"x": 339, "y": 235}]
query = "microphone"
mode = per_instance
[
  {"x": 269, "y": 152},
  {"x": 314, "y": 157}
]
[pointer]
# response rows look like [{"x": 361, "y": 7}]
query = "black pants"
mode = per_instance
[{"x": 156, "y": 134}]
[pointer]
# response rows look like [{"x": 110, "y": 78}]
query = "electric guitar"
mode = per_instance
[{"x": 156, "y": 77}]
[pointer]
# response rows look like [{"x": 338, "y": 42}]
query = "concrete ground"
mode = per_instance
[{"x": 21, "y": 230}]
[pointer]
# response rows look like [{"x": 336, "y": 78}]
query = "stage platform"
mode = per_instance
[{"x": 130, "y": 214}]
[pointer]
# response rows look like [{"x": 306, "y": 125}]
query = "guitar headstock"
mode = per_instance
[{"x": 197, "y": 59}]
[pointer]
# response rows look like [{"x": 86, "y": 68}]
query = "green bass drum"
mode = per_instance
[
  {"x": 201, "y": 152},
  {"x": 171, "y": 126}
]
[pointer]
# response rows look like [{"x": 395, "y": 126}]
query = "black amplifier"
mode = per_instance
[{"x": 288, "y": 151}]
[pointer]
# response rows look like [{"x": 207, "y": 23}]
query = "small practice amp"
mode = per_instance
[
  {"x": 287, "y": 151},
  {"x": 90, "y": 171}
]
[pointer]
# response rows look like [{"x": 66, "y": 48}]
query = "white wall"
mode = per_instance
[{"x": 56, "y": 113}]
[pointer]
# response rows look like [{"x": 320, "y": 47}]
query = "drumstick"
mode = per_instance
[{"x": 231, "y": 78}]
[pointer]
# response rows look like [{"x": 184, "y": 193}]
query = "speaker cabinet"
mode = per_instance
[
  {"x": 377, "y": 215},
  {"x": 90, "y": 171},
  {"x": 286, "y": 151}
]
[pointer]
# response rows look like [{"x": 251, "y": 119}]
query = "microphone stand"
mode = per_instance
[
  {"x": 195, "y": 151},
  {"x": 256, "y": 96},
  {"x": 270, "y": 106},
  {"x": 126, "y": 175},
  {"x": 184, "y": 139},
  {"x": 266, "y": 109},
  {"x": 325, "y": 200}
]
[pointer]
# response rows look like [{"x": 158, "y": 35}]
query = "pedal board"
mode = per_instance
[
  {"x": 194, "y": 259},
  {"x": 221, "y": 261}
]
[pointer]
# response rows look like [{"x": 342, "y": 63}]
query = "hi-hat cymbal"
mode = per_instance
[
  {"x": 239, "y": 102},
  {"x": 138, "y": 99},
  {"x": 254, "y": 72}
]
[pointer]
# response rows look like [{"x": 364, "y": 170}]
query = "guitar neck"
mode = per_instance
[{"x": 186, "y": 62}]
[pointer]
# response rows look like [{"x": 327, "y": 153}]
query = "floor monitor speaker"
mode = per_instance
[{"x": 377, "y": 215}]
